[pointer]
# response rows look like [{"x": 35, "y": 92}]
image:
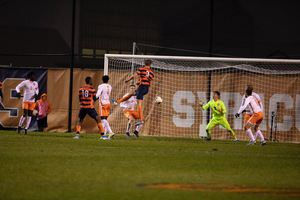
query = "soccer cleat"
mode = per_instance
[
  {"x": 111, "y": 135},
  {"x": 251, "y": 143},
  {"x": 263, "y": 143},
  {"x": 19, "y": 129},
  {"x": 207, "y": 139},
  {"x": 139, "y": 122},
  {"x": 127, "y": 134},
  {"x": 76, "y": 137},
  {"x": 136, "y": 133},
  {"x": 104, "y": 137},
  {"x": 114, "y": 101},
  {"x": 237, "y": 141},
  {"x": 25, "y": 131}
]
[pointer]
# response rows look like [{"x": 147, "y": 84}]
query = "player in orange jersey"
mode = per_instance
[
  {"x": 1, "y": 94},
  {"x": 146, "y": 76},
  {"x": 256, "y": 117},
  {"x": 31, "y": 91},
  {"x": 130, "y": 113},
  {"x": 87, "y": 96}
]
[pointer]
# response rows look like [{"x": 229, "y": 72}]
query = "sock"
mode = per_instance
[
  {"x": 78, "y": 129},
  {"x": 260, "y": 135},
  {"x": 232, "y": 134},
  {"x": 21, "y": 120},
  {"x": 140, "y": 111},
  {"x": 138, "y": 128},
  {"x": 255, "y": 135},
  {"x": 107, "y": 126},
  {"x": 124, "y": 99},
  {"x": 100, "y": 126},
  {"x": 249, "y": 132},
  {"x": 104, "y": 127},
  {"x": 128, "y": 126},
  {"x": 28, "y": 122},
  {"x": 208, "y": 133}
]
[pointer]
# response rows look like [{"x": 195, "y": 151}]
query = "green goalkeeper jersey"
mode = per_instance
[{"x": 214, "y": 106}]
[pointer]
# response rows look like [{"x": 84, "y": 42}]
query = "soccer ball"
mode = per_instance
[
  {"x": 158, "y": 100},
  {"x": 34, "y": 112}
]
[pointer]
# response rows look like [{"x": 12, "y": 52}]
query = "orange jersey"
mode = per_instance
[
  {"x": 87, "y": 96},
  {"x": 146, "y": 75},
  {"x": 0, "y": 85}
]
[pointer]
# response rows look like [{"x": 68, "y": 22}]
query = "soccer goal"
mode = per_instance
[{"x": 183, "y": 81}]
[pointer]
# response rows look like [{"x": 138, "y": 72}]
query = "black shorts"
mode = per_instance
[
  {"x": 42, "y": 123},
  {"x": 141, "y": 91},
  {"x": 90, "y": 111}
]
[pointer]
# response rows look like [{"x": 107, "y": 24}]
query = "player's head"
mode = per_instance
[
  {"x": 132, "y": 88},
  {"x": 249, "y": 90},
  {"x": 216, "y": 95},
  {"x": 88, "y": 80},
  {"x": 105, "y": 79},
  {"x": 31, "y": 76},
  {"x": 148, "y": 63}
]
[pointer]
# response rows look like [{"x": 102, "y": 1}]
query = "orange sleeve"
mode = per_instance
[{"x": 49, "y": 107}]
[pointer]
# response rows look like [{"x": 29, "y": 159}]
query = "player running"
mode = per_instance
[
  {"x": 86, "y": 98},
  {"x": 249, "y": 112},
  {"x": 130, "y": 113},
  {"x": 103, "y": 94},
  {"x": 219, "y": 111},
  {"x": 31, "y": 90},
  {"x": 146, "y": 76},
  {"x": 256, "y": 115}
]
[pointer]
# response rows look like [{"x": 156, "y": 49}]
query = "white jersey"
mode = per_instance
[
  {"x": 248, "y": 109},
  {"x": 103, "y": 93},
  {"x": 129, "y": 104},
  {"x": 31, "y": 88},
  {"x": 252, "y": 103}
]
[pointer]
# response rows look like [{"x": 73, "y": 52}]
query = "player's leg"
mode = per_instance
[
  {"x": 247, "y": 128},
  {"x": 209, "y": 126},
  {"x": 258, "y": 132},
  {"x": 135, "y": 115},
  {"x": 130, "y": 94},
  {"x": 226, "y": 125},
  {"x": 105, "y": 109},
  {"x": 142, "y": 90},
  {"x": 81, "y": 116},
  {"x": 23, "y": 117},
  {"x": 29, "y": 116}
]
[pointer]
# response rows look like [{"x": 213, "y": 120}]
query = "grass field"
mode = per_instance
[{"x": 55, "y": 166}]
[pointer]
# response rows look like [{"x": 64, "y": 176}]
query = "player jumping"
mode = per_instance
[
  {"x": 31, "y": 91},
  {"x": 219, "y": 111},
  {"x": 256, "y": 115},
  {"x": 146, "y": 76}
]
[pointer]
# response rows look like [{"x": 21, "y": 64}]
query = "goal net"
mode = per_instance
[{"x": 182, "y": 81}]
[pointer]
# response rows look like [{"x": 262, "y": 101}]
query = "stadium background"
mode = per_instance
[{"x": 51, "y": 36}]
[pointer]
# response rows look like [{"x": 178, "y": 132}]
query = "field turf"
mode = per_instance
[{"x": 55, "y": 166}]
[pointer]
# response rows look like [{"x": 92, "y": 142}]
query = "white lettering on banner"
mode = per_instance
[
  {"x": 202, "y": 132},
  {"x": 179, "y": 108},
  {"x": 297, "y": 112},
  {"x": 287, "y": 123}
]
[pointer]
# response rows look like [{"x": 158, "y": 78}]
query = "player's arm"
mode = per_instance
[
  {"x": 242, "y": 108},
  {"x": 204, "y": 107},
  {"x": 99, "y": 91},
  {"x": 223, "y": 109},
  {"x": 131, "y": 77},
  {"x": 18, "y": 89}
]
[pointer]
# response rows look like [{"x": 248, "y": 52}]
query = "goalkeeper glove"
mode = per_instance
[
  {"x": 200, "y": 103},
  {"x": 237, "y": 115}
]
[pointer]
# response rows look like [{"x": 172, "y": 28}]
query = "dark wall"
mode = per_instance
[{"x": 239, "y": 29}]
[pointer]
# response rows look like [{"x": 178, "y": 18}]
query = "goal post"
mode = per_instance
[{"x": 183, "y": 81}]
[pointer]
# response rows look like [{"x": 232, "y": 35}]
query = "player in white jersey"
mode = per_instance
[
  {"x": 103, "y": 94},
  {"x": 255, "y": 113},
  {"x": 31, "y": 90},
  {"x": 249, "y": 113},
  {"x": 130, "y": 113}
]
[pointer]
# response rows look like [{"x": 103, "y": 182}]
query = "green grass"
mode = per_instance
[{"x": 55, "y": 166}]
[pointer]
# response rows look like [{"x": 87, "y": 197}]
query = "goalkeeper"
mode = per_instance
[{"x": 219, "y": 111}]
